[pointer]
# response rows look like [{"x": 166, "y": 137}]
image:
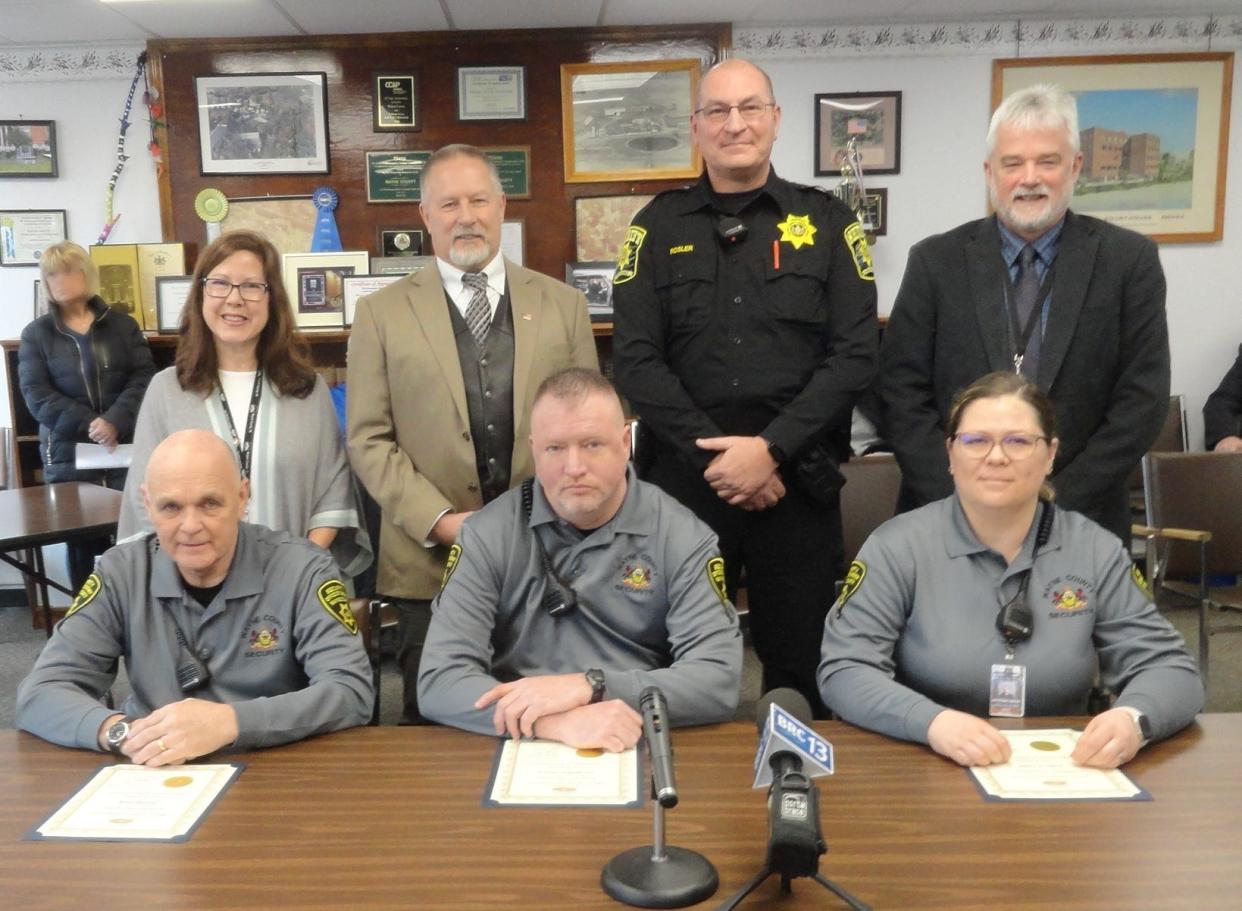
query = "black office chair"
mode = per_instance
[{"x": 1194, "y": 534}]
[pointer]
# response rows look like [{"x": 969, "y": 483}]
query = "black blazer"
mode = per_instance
[
  {"x": 1222, "y": 413},
  {"x": 1104, "y": 359}
]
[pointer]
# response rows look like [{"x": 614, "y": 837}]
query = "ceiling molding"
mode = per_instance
[
  {"x": 993, "y": 38},
  {"x": 54, "y": 64}
]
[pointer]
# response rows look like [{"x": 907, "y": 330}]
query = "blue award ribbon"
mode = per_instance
[{"x": 327, "y": 239}]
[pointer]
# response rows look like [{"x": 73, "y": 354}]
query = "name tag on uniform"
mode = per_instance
[{"x": 1007, "y": 694}]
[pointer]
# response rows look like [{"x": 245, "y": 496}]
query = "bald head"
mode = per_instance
[
  {"x": 727, "y": 69},
  {"x": 196, "y": 498}
]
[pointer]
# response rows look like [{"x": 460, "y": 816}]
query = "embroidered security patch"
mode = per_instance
[
  {"x": 90, "y": 588},
  {"x": 716, "y": 576},
  {"x": 627, "y": 262},
  {"x": 450, "y": 564},
  {"x": 856, "y": 239},
  {"x": 335, "y": 601},
  {"x": 1136, "y": 576},
  {"x": 853, "y": 581}
]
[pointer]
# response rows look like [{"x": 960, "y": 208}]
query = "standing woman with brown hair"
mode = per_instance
[
  {"x": 83, "y": 368},
  {"x": 244, "y": 374}
]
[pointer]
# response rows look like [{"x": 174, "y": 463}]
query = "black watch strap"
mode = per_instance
[{"x": 595, "y": 677}]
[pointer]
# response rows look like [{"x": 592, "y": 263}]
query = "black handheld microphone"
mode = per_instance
[
  {"x": 795, "y": 839},
  {"x": 655, "y": 729}
]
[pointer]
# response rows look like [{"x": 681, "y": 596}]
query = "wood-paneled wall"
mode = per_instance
[{"x": 349, "y": 61}]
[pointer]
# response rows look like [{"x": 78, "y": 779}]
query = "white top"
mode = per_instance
[
  {"x": 461, "y": 295},
  {"x": 238, "y": 386}
]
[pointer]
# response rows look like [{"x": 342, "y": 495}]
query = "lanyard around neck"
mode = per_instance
[
  {"x": 1022, "y": 334},
  {"x": 245, "y": 446}
]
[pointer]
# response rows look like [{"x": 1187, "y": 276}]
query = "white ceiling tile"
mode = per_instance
[
  {"x": 327, "y": 17},
  {"x": 480, "y": 14},
  {"x": 64, "y": 21}
]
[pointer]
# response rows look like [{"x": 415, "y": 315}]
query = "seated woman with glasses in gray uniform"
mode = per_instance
[{"x": 994, "y": 602}]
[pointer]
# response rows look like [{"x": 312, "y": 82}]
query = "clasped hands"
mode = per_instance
[
  {"x": 1109, "y": 740},
  {"x": 743, "y": 472},
  {"x": 560, "y": 706},
  {"x": 177, "y": 733},
  {"x": 103, "y": 432}
]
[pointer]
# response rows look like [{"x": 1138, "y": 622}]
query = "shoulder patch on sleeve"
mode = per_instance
[
  {"x": 853, "y": 581},
  {"x": 335, "y": 601},
  {"x": 90, "y": 588},
  {"x": 1136, "y": 576},
  {"x": 716, "y": 576},
  {"x": 450, "y": 564},
  {"x": 627, "y": 262},
  {"x": 856, "y": 239}
]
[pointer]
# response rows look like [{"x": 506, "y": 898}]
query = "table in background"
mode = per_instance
[
  {"x": 391, "y": 818},
  {"x": 33, "y": 517}
]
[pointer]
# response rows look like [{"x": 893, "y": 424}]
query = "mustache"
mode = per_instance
[{"x": 1040, "y": 189}]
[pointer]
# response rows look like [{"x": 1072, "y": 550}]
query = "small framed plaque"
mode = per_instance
[
  {"x": 395, "y": 176},
  {"x": 315, "y": 287},
  {"x": 171, "y": 293},
  {"x": 875, "y": 211},
  {"x": 395, "y": 103},
  {"x": 359, "y": 286},
  {"x": 491, "y": 93},
  {"x": 513, "y": 165},
  {"x": 594, "y": 280},
  {"x": 26, "y": 233},
  {"x": 400, "y": 265},
  {"x": 513, "y": 240},
  {"x": 400, "y": 241}
]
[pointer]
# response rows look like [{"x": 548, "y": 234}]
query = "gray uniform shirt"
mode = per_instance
[
  {"x": 918, "y": 633},
  {"x": 277, "y": 654},
  {"x": 648, "y": 611}
]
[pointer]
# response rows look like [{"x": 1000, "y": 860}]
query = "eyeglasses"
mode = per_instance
[
  {"x": 716, "y": 114},
  {"x": 249, "y": 291},
  {"x": 1016, "y": 446}
]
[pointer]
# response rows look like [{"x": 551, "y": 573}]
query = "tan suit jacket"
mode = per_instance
[{"x": 408, "y": 423}]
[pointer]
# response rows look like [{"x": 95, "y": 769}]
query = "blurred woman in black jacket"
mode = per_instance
[{"x": 83, "y": 369}]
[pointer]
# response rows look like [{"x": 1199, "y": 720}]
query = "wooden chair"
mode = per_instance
[{"x": 1194, "y": 533}]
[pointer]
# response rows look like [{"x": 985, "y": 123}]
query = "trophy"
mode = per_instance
[{"x": 850, "y": 190}]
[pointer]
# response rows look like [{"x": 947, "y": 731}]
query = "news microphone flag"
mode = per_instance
[{"x": 784, "y": 732}]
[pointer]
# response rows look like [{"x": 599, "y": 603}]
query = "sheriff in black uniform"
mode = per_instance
[{"x": 745, "y": 332}]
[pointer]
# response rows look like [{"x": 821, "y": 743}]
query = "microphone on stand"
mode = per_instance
[{"x": 659, "y": 875}]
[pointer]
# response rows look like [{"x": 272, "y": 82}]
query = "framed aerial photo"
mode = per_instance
[
  {"x": 491, "y": 93},
  {"x": 26, "y": 233},
  {"x": 315, "y": 284},
  {"x": 871, "y": 119},
  {"x": 27, "y": 148},
  {"x": 263, "y": 123},
  {"x": 1154, "y": 132},
  {"x": 394, "y": 101},
  {"x": 629, "y": 121}
]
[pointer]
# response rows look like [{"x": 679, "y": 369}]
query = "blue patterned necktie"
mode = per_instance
[{"x": 479, "y": 313}]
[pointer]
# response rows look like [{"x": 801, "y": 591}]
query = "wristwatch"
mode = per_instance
[
  {"x": 778, "y": 455},
  {"x": 115, "y": 736},
  {"x": 1141, "y": 722},
  {"x": 595, "y": 677}
]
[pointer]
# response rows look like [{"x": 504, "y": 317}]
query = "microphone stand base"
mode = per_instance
[
  {"x": 734, "y": 900},
  {"x": 682, "y": 878}
]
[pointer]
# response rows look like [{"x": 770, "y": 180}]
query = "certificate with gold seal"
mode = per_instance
[
  {"x": 1040, "y": 768},
  {"x": 139, "y": 803},
  {"x": 547, "y": 774}
]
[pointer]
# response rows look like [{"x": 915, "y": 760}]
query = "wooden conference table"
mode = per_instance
[
  {"x": 390, "y": 818},
  {"x": 32, "y": 517}
]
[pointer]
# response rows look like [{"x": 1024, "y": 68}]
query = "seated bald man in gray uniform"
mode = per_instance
[
  {"x": 565, "y": 598},
  {"x": 233, "y": 635}
]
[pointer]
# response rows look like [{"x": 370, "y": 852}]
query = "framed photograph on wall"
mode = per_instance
[
  {"x": 871, "y": 119},
  {"x": 314, "y": 282},
  {"x": 395, "y": 103},
  {"x": 263, "y": 123},
  {"x": 594, "y": 280},
  {"x": 359, "y": 286},
  {"x": 28, "y": 148},
  {"x": 400, "y": 241},
  {"x": 600, "y": 223},
  {"x": 26, "y": 233},
  {"x": 491, "y": 93},
  {"x": 629, "y": 121},
  {"x": 1154, "y": 134},
  {"x": 171, "y": 293}
]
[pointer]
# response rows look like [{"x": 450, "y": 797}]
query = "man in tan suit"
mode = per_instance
[{"x": 443, "y": 368}]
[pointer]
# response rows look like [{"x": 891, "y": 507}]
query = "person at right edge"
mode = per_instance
[
  {"x": 745, "y": 332},
  {"x": 1072, "y": 302}
]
